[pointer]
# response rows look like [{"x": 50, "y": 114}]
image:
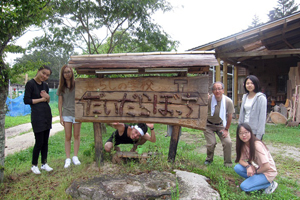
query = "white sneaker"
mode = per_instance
[
  {"x": 271, "y": 188},
  {"x": 76, "y": 161},
  {"x": 67, "y": 163},
  {"x": 35, "y": 169},
  {"x": 46, "y": 167}
]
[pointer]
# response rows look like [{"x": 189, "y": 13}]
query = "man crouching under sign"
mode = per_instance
[{"x": 125, "y": 134}]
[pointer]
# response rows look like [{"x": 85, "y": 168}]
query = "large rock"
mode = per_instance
[
  {"x": 153, "y": 185},
  {"x": 195, "y": 186}
]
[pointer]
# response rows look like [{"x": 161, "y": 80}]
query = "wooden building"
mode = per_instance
[{"x": 270, "y": 51}]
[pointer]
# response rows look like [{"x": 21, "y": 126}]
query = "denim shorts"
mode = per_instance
[{"x": 69, "y": 119}]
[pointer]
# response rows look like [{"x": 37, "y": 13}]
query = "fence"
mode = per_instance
[{"x": 16, "y": 106}]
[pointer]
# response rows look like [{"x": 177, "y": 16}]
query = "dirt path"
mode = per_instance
[{"x": 16, "y": 142}]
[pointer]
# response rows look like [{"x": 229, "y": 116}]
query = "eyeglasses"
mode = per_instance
[
  {"x": 67, "y": 72},
  {"x": 244, "y": 133},
  {"x": 217, "y": 89}
]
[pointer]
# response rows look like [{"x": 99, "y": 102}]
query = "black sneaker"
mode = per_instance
[
  {"x": 271, "y": 188},
  {"x": 207, "y": 162}
]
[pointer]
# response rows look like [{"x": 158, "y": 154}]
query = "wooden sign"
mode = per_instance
[{"x": 166, "y": 100}]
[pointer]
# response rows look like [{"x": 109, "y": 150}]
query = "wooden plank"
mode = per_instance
[
  {"x": 143, "y": 54},
  {"x": 129, "y": 154},
  {"x": 166, "y": 100},
  {"x": 128, "y": 61},
  {"x": 98, "y": 144},
  {"x": 297, "y": 112},
  {"x": 119, "y": 156},
  {"x": 260, "y": 53},
  {"x": 191, "y": 70},
  {"x": 127, "y": 64}
]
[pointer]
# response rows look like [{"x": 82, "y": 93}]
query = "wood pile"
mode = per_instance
[
  {"x": 277, "y": 118},
  {"x": 121, "y": 156}
]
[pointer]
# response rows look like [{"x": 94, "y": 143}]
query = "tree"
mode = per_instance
[
  {"x": 284, "y": 8},
  {"x": 88, "y": 24},
  {"x": 255, "y": 22},
  {"x": 15, "y": 17},
  {"x": 55, "y": 59},
  {"x": 124, "y": 43}
]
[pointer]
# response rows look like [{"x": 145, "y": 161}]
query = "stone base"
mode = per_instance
[{"x": 153, "y": 185}]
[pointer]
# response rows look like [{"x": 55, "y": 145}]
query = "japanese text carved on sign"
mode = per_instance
[{"x": 169, "y": 100}]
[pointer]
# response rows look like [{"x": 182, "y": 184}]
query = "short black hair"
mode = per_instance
[
  {"x": 255, "y": 82},
  {"x": 143, "y": 126}
]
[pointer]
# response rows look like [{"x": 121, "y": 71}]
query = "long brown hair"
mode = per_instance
[
  {"x": 62, "y": 81},
  {"x": 240, "y": 144}
]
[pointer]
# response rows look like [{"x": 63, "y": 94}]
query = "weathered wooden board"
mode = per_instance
[
  {"x": 196, "y": 62},
  {"x": 167, "y": 100}
]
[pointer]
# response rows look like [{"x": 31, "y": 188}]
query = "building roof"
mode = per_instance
[{"x": 278, "y": 40}]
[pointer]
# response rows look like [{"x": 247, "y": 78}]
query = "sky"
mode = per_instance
[{"x": 197, "y": 22}]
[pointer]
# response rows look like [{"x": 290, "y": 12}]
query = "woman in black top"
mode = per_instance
[{"x": 36, "y": 95}]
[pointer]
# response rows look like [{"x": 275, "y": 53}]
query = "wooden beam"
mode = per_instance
[
  {"x": 98, "y": 144},
  {"x": 173, "y": 143},
  {"x": 235, "y": 78},
  {"x": 225, "y": 78},
  {"x": 218, "y": 71},
  {"x": 260, "y": 53}
]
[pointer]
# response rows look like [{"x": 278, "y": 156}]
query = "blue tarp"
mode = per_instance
[{"x": 16, "y": 107}]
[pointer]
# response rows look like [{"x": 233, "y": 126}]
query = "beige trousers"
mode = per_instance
[{"x": 211, "y": 143}]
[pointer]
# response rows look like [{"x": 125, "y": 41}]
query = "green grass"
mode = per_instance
[
  {"x": 281, "y": 134},
  {"x": 20, "y": 183}
]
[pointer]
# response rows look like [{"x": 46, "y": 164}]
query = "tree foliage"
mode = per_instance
[
  {"x": 283, "y": 9},
  {"x": 55, "y": 58},
  {"x": 255, "y": 22},
  {"x": 36, "y": 58},
  {"x": 15, "y": 17},
  {"x": 107, "y": 26}
]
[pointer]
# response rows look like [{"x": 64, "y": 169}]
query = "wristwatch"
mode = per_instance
[{"x": 152, "y": 129}]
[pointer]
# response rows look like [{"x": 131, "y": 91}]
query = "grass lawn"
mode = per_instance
[{"x": 21, "y": 183}]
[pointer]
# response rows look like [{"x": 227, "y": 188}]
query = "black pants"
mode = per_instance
[{"x": 41, "y": 145}]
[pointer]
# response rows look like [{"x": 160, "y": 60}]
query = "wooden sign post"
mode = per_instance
[{"x": 177, "y": 101}]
